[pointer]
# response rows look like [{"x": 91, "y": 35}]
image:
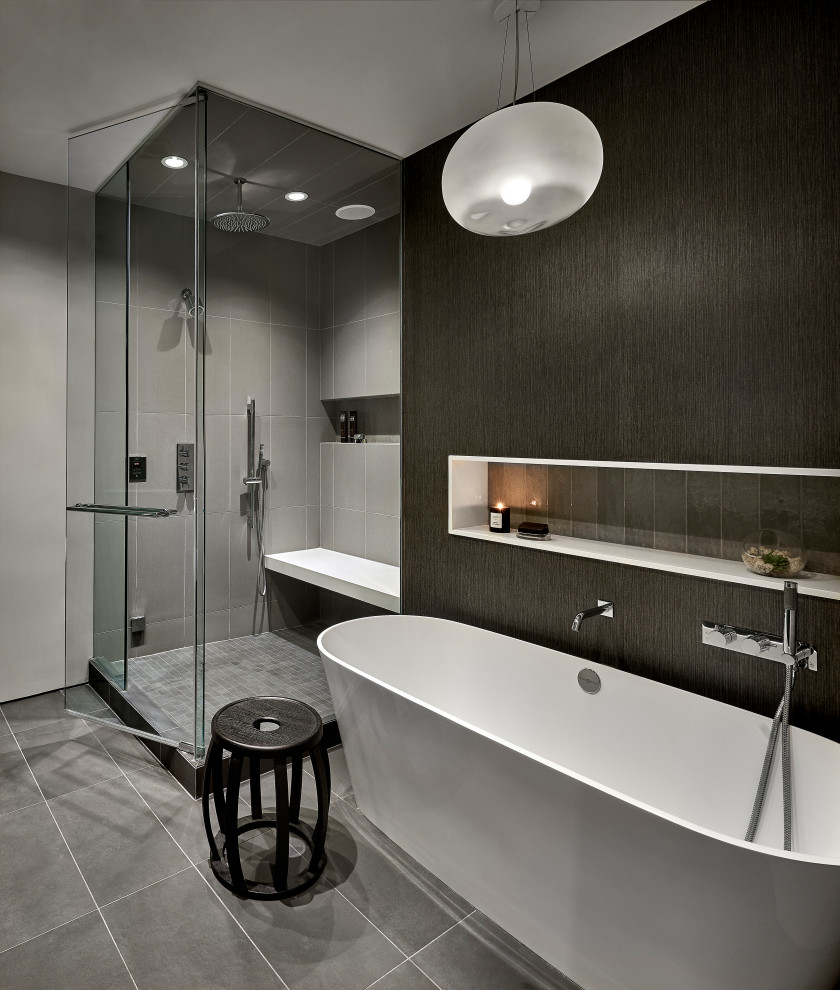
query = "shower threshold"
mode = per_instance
[{"x": 159, "y": 698}]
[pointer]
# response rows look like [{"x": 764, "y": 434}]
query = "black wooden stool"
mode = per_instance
[{"x": 281, "y": 730}]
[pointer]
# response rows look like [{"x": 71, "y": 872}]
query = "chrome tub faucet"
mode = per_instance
[{"x": 602, "y": 608}]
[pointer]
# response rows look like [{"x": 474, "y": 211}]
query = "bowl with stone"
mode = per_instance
[{"x": 773, "y": 554}]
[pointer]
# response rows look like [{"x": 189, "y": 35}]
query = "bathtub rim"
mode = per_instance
[{"x": 612, "y": 792}]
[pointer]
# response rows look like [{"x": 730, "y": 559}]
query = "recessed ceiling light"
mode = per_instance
[
  {"x": 297, "y": 197},
  {"x": 358, "y": 211},
  {"x": 174, "y": 161}
]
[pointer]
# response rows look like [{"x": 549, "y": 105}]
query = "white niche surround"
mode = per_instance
[{"x": 468, "y": 517}]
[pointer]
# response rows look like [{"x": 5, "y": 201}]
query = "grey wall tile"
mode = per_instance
[
  {"x": 349, "y": 476},
  {"x": 318, "y": 430},
  {"x": 249, "y": 620},
  {"x": 250, "y": 284},
  {"x": 349, "y": 360},
  {"x": 328, "y": 527},
  {"x": 382, "y": 355},
  {"x": 218, "y": 468},
  {"x": 669, "y": 506},
  {"x": 161, "y": 361},
  {"x": 109, "y": 560},
  {"x": 495, "y": 483},
  {"x": 216, "y": 626},
  {"x": 585, "y": 503},
  {"x": 327, "y": 364},
  {"x": 703, "y": 513},
  {"x": 349, "y": 532},
  {"x": 781, "y": 504},
  {"x": 244, "y": 559},
  {"x": 326, "y": 260},
  {"x": 249, "y": 366},
  {"x": 289, "y": 379},
  {"x": 740, "y": 512},
  {"x": 559, "y": 495},
  {"x": 536, "y": 492},
  {"x": 349, "y": 278},
  {"x": 217, "y": 561},
  {"x": 313, "y": 287},
  {"x": 287, "y": 453},
  {"x": 327, "y": 461},
  {"x": 821, "y": 524},
  {"x": 610, "y": 515},
  {"x": 382, "y": 267},
  {"x": 111, "y": 242},
  {"x": 638, "y": 507},
  {"x": 111, "y": 356},
  {"x": 165, "y": 257},
  {"x": 288, "y": 282},
  {"x": 382, "y": 478},
  {"x": 290, "y": 603},
  {"x": 159, "y": 637},
  {"x": 217, "y": 271},
  {"x": 159, "y": 591},
  {"x": 216, "y": 366},
  {"x": 158, "y": 435},
  {"x": 313, "y": 373},
  {"x": 382, "y": 538},
  {"x": 313, "y": 526},
  {"x": 287, "y": 529}
]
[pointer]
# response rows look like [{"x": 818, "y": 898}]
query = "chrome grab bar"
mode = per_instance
[{"x": 121, "y": 510}]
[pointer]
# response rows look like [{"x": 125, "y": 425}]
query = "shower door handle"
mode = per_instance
[{"x": 121, "y": 510}]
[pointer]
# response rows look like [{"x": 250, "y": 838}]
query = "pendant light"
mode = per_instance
[{"x": 524, "y": 167}]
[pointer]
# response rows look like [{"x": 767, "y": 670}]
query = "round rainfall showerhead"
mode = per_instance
[{"x": 237, "y": 222}]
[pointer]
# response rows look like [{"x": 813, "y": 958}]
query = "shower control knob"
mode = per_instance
[
  {"x": 721, "y": 636},
  {"x": 755, "y": 645}
]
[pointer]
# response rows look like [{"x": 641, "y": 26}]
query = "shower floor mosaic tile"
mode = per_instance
[{"x": 285, "y": 663}]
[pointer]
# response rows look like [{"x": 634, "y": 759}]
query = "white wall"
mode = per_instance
[{"x": 33, "y": 312}]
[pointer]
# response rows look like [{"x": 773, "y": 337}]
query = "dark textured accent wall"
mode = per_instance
[{"x": 688, "y": 313}]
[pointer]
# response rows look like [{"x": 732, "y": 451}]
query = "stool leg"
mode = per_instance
[
  {"x": 205, "y": 798},
  {"x": 216, "y": 766},
  {"x": 323, "y": 790},
  {"x": 231, "y": 820},
  {"x": 297, "y": 783},
  {"x": 281, "y": 800},
  {"x": 256, "y": 797}
]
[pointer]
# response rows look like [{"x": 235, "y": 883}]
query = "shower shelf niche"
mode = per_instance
[{"x": 468, "y": 507}]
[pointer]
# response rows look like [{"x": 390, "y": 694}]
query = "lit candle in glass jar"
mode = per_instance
[{"x": 499, "y": 518}]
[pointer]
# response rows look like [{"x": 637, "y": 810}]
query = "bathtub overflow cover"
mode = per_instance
[{"x": 589, "y": 681}]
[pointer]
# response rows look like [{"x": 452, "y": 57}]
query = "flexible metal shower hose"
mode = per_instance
[
  {"x": 781, "y": 719},
  {"x": 259, "y": 516}
]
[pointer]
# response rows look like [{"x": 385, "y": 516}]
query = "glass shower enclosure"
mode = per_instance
[{"x": 214, "y": 286}]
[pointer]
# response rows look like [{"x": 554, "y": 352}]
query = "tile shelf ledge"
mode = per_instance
[
  {"x": 654, "y": 466},
  {"x": 715, "y": 568},
  {"x": 356, "y": 577}
]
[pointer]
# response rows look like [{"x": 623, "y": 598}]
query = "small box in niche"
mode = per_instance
[
  {"x": 499, "y": 518},
  {"x": 533, "y": 531}
]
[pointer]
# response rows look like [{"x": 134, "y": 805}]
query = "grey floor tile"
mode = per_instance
[
  {"x": 179, "y": 813},
  {"x": 31, "y": 712},
  {"x": 176, "y": 935},
  {"x": 4, "y": 726},
  {"x": 125, "y": 750},
  {"x": 317, "y": 941},
  {"x": 403, "y": 900},
  {"x": 40, "y": 886},
  {"x": 478, "y": 955},
  {"x": 80, "y": 954},
  {"x": 340, "y": 775},
  {"x": 64, "y": 756},
  {"x": 405, "y": 977},
  {"x": 118, "y": 843},
  {"x": 17, "y": 785}
]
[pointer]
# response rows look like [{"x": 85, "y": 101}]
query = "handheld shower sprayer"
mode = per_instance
[{"x": 189, "y": 299}]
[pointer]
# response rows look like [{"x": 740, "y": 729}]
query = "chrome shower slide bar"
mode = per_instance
[{"x": 121, "y": 510}]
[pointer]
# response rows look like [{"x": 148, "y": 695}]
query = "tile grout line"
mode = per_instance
[
  {"x": 154, "y": 883},
  {"x": 445, "y": 932},
  {"x": 367, "y": 919},
  {"x": 209, "y": 885},
  {"x": 76, "y": 863},
  {"x": 26, "y": 941}
]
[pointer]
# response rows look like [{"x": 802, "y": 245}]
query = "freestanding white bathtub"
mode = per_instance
[{"x": 604, "y": 831}]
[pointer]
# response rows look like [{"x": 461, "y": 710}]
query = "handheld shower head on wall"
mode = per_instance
[
  {"x": 237, "y": 222},
  {"x": 189, "y": 299}
]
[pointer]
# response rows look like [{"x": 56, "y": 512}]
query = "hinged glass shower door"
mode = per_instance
[{"x": 135, "y": 403}]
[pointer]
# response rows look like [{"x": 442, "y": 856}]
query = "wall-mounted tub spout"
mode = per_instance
[{"x": 602, "y": 608}]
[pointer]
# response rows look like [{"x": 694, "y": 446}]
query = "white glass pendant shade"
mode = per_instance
[{"x": 522, "y": 168}]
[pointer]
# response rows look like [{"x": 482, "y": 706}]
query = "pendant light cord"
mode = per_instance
[
  {"x": 516, "y": 57},
  {"x": 515, "y": 15},
  {"x": 502, "y": 73},
  {"x": 530, "y": 60}
]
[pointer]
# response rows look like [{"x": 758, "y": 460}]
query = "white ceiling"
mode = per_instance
[{"x": 393, "y": 74}]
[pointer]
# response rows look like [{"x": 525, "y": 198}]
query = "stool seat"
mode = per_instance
[
  {"x": 268, "y": 726},
  {"x": 279, "y": 732}
]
